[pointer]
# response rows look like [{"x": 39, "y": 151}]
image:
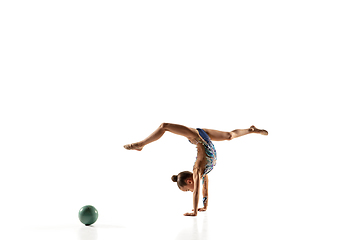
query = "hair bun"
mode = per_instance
[{"x": 174, "y": 178}]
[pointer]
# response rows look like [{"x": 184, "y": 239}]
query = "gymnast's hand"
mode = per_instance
[
  {"x": 190, "y": 214},
  {"x": 202, "y": 209}
]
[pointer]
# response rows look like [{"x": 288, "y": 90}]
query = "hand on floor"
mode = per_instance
[
  {"x": 201, "y": 209},
  {"x": 190, "y": 214}
]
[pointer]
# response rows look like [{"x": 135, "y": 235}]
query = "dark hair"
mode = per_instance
[{"x": 181, "y": 178}]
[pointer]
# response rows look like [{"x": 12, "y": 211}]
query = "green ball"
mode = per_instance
[{"x": 88, "y": 215}]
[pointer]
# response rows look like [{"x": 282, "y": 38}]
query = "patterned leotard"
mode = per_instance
[{"x": 210, "y": 152}]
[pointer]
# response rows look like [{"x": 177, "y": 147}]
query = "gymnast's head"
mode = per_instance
[{"x": 184, "y": 181}]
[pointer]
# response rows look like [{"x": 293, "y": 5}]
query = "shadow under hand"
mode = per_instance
[
  {"x": 189, "y": 232},
  {"x": 192, "y": 232}
]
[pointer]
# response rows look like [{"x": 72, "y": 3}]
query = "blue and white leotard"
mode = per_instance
[{"x": 210, "y": 152}]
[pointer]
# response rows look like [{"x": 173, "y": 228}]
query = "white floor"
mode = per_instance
[
  {"x": 204, "y": 227},
  {"x": 251, "y": 219}
]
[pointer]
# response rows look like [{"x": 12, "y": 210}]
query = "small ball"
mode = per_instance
[{"x": 88, "y": 215}]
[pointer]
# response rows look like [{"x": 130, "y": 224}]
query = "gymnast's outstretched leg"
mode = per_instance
[
  {"x": 174, "y": 128},
  {"x": 216, "y": 135},
  {"x": 191, "y": 133}
]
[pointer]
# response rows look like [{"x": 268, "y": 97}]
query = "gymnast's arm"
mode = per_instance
[
  {"x": 205, "y": 193},
  {"x": 196, "y": 192}
]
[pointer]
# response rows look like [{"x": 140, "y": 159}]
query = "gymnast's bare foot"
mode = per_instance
[
  {"x": 253, "y": 129},
  {"x": 133, "y": 146}
]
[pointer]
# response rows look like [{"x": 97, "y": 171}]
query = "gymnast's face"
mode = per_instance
[{"x": 189, "y": 186}]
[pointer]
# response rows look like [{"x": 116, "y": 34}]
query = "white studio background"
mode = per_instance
[{"x": 79, "y": 79}]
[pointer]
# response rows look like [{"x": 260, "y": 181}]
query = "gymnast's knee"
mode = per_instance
[
  {"x": 164, "y": 126},
  {"x": 230, "y": 136}
]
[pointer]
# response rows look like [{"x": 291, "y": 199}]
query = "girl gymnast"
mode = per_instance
[{"x": 206, "y": 156}]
